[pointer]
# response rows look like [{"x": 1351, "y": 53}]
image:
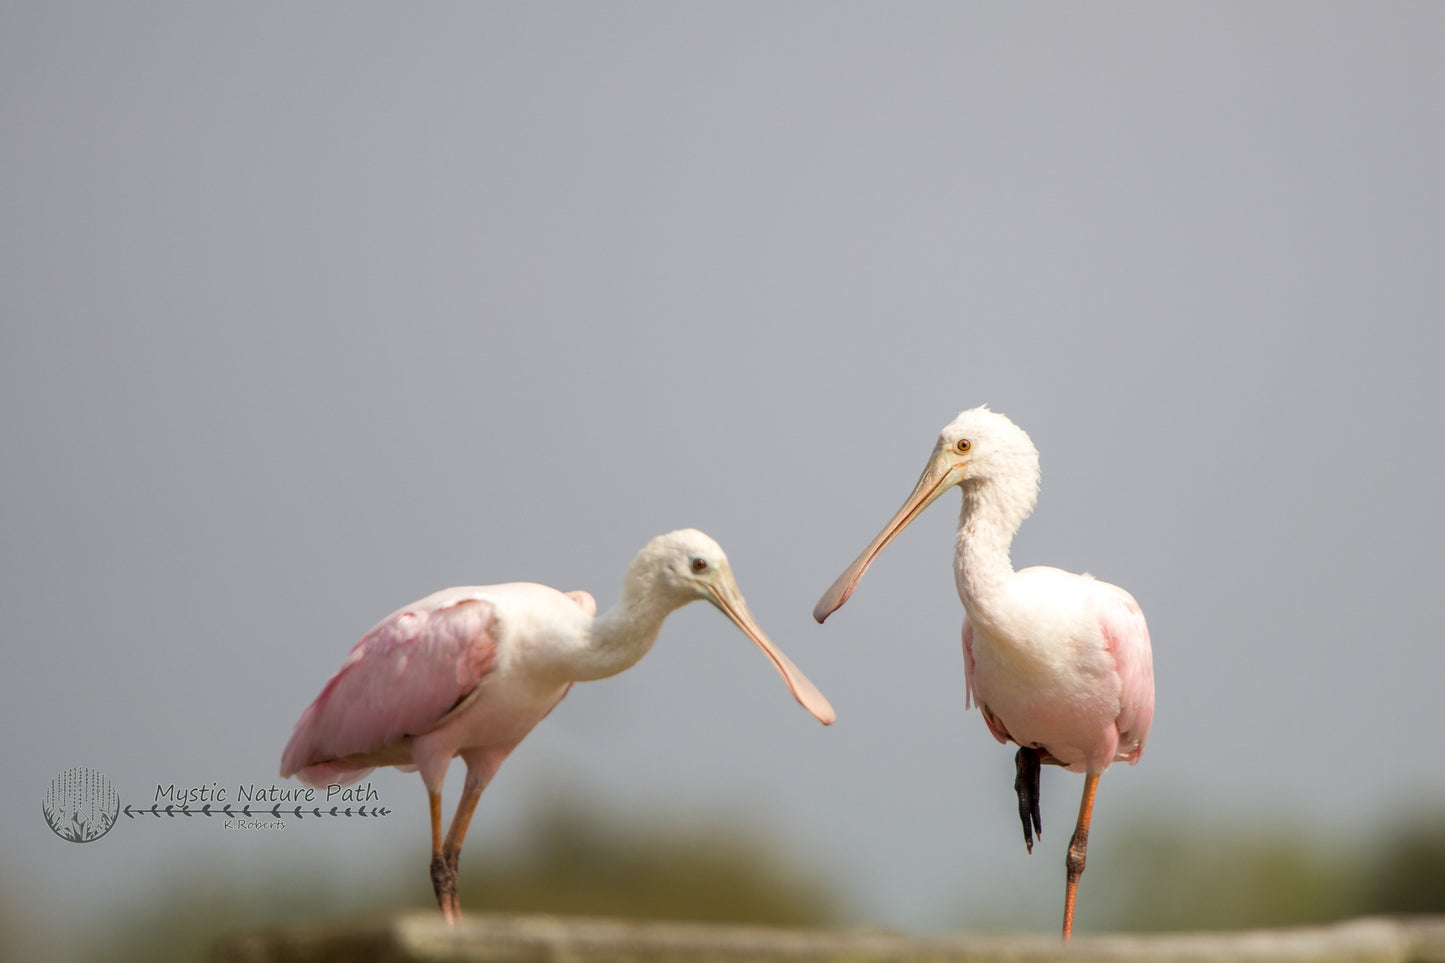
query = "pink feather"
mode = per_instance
[
  {"x": 1122, "y": 622},
  {"x": 400, "y": 680}
]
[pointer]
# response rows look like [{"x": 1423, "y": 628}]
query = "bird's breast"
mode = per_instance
[
  {"x": 1048, "y": 680},
  {"x": 502, "y": 710}
]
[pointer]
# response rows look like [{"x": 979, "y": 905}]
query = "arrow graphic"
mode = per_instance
[{"x": 249, "y": 812}]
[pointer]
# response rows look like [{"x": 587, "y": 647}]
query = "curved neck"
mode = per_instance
[
  {"x": 986, "y": 527},
  {"x": 623, "y": 634}
]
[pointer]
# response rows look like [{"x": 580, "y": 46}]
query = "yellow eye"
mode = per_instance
[
  {"x": 699, "y": 565},
  {"x": 962, "y": 446}
]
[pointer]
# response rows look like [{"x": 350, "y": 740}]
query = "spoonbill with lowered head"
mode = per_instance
[
  {"x": 469, "y": 671},
  {"x": 1058, "y": 663}
]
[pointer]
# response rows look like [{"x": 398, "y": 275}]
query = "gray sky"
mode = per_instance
[{"x": 308, "y": 311}]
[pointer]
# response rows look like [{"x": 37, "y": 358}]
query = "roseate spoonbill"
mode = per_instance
[
  {"x": 1058, "y": 663},
  {"x": 469, "y": 671}
]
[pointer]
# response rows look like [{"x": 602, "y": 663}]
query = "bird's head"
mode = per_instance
[
  {"x": 687, "y": 565},
  {"x": 978, "y": 449},
  {"x": 980, "y": 445}
]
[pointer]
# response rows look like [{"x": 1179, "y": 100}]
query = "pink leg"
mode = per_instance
[
  {"x": 1077, "y": 848},
  {"x": 451, "y": 849},
  {"x": 443, "y": 881}
]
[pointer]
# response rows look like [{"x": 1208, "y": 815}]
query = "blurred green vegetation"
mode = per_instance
[
  {"x": 711, "y": 872},
  {"x": 1213, "y": 875},
  {"x": 571, "y": 861},
  {"x": 1406, "y": 874},
  {"x": 182, "y": 917},
  {"x": 1187, "y": 873},
  {"x": 1175, "y": 879}
]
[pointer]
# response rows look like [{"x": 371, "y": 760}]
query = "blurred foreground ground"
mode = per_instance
[
  {"x": 423, "y": 938},
  {"x": 1187, "y": 874}
]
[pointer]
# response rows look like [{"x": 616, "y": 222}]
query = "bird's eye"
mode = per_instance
[
  {"x": 699, "y": 565},
  {"x": 962, "y": 446}
]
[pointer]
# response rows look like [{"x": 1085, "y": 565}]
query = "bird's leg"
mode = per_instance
[
  {"x": 1026, "y": 784},
  {"x": 1077, "y": 847},
  {"x": 451, "y": 850},
  {"x": 443, "y": 877}
]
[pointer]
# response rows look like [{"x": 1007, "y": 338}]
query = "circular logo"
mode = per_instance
[{"x": 81, "y": 805}]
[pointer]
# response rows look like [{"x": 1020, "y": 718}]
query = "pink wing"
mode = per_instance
[
  {"x": 401, "y": 679},
  {"x": 1122, "y": 623}
]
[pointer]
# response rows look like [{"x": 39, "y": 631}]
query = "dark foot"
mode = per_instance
[
  {"x": 453, "y": 859},
  {"x": 1026, "y": 784},
  {"x": 444, "y": 882},
  {"x": 1078, "y": 851}
]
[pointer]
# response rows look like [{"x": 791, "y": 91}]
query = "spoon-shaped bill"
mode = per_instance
[
  {"x": 729, "y": 601},
  {"x": 936, "y": 479}
]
